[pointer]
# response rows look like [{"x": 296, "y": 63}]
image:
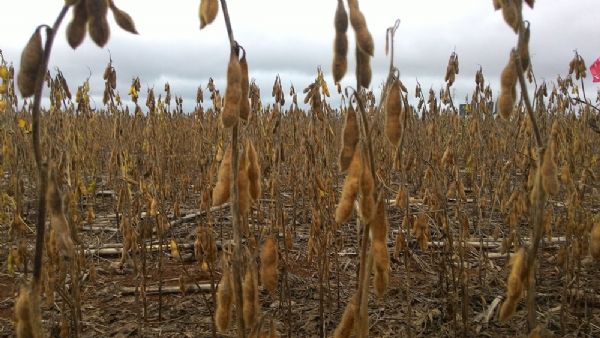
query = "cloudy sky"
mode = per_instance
[{"x": 293, "y": 38}]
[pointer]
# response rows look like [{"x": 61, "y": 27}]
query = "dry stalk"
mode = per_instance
[
  {"x": 235, "y": 193},
  {"x": 42, "y": 171}
]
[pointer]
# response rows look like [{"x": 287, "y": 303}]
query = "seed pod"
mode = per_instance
[
  {"x": 505, "y": 105},
  {"x": 450, "y": 74},
  {"x": 97, "y": 9},
  {"x": 350, "y": 189},
  {"x": 224, "y": 301},
  {"x": 595, "y": 241},
  {"x": 517, "y": 274},
  {"x": 393, "y": 109},
  {"x": 244, "y": 187},
  {"x": 508, "y": 308},
  {"x": 447, "y": 158},
  {"x": 497, "y": 4},
  {"x": 233, "y": 93},
  {"x": 401, "y": 198},
  {"x": 550, "y": 172},
  {"x": 582, "y": 69},
  {"x": 379, "y": 226},
  {"x": 341, "y": 18},
  {"x": 515, "y": 283},
  {"x": 508, "y": 81},
  {"x": 346, "y": 325},
  {"x": 77, "y": 27},
  {"x": 208, "y": 12},
  {"x": 421, "y": 231},
  {"x": 363, "y": 68},
  {"x": 350, "y": 137},
  {"x": 381, "y": 258},
  {"x": 253, "y": 171},
  {"x": 205, "y": 247},
  {"x": 58, "y": 221},
  {"x": 31, "y": 61},
  {"x": 565, "y": 176},
  {"x": 113, "y": 79},
  {"x": 340, "y": 60},
  {"x": 123, "y": 19},
  {"x": 340, "y": 44},
  {"x": 400, "y": 243},
  {"x": 269, "y": 260},
  {"x": 221, "y": 190},
  {"x": 97, "y": 23},
  {"x": 367, "y": 191},
  {"x": 99, "y": 31},
  {"x": 510, "y": 12},
  {"x": 245, "y": 86},
  {"x": 364, "y": 40},
  {"x": 153, "y": 207},
  {"x": 251, "y": 307},
  {"x": 26, "y": 323},
  {"x": 572, "y": 65}
]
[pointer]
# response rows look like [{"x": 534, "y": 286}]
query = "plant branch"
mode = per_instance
[
  {"x": 523, "y": 84},
  {"x": 35, "y": 133},
  {"x": 235, "y": 194},
  {"x": 540, "y": 201}
]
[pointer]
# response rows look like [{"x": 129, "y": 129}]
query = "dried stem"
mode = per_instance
[
  {"x": 364, "y": 270},
  {"x": 537, "y": 212},
  {"x": 524, "y": 92},
  {"x": 365, "y": 264},
  {"x": 35, "y": 133},
  {"x": 235, "y": 203}
]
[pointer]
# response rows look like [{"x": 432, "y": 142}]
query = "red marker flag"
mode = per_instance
[{"x": 595, "y": 70}]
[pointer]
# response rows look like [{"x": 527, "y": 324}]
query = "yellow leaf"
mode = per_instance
[
  {"x": 325, "y": 88},
  {"x": 3, "y": 72},
  {"x": 174, "y": 249},
  {"x": 322, "y": 193},
  {"x": 10, "y": 263},
  {"x": 91, "y": 187},
  {"x": 133, "y": 91},
  {"x": 21, "y": 123}
]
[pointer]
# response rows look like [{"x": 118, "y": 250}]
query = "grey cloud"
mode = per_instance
[{"x": 294, "y": 49}]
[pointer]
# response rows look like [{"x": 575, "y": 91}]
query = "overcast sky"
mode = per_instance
[{"x": 293, "y": 38}]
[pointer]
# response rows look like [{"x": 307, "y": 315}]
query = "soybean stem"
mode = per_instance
[{"x": 35, "y": 133}]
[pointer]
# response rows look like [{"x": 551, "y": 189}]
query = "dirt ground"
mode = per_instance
[{"x": 435, "y": 303}]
